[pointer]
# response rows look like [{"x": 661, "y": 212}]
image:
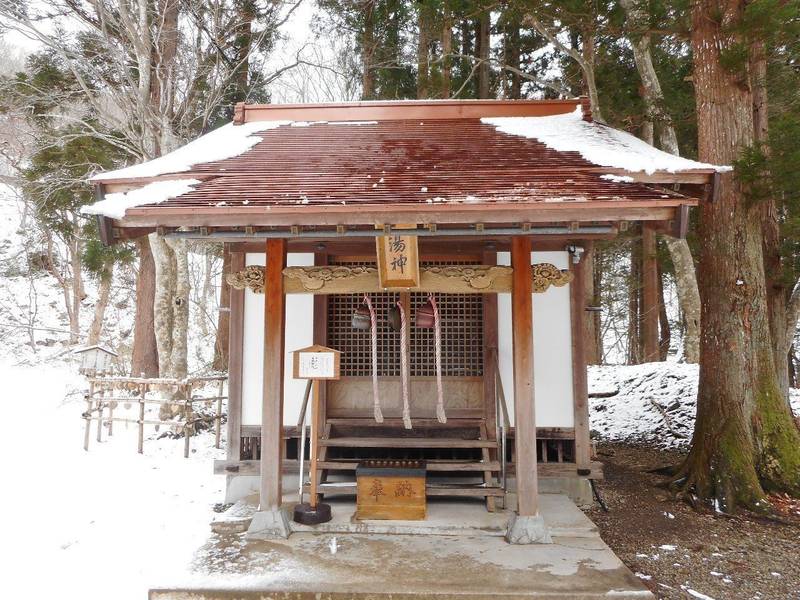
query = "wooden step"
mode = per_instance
[
  {"x": 475, "y": 491},
  {"x": 398, "y": 423},
  {"x": 430, "y": 465},
  {"x": 405, "y": 442}
]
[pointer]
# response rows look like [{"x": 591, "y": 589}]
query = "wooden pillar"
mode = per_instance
[
  {"x": 580, "y": 397},
  {"x": 524, "y": 409},
  {"x": 272, "y": 405},
  {"x": 649, "y": 309},
  {"x": 235, "y": 354},
  {"x": 490, "y": 344}
]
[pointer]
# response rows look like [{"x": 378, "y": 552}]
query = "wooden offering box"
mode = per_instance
[{"x": 391, "y": 489}]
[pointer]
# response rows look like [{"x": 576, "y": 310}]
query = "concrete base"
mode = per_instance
[
  {"x": 269, "y": 524},
  {"x": 578, "y": 490},
  {"x": 313, "y": 566},
  {"x": 527, "y": 530}
]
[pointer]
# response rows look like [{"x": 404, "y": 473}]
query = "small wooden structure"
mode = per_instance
[
  {"x": 95, "y": 360},
  {"x": 505, "y": 200}
]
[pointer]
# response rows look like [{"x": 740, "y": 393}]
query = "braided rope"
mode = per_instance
[
  {"x": 404, "y": 365},
  {"x": 373, "y": 323},
  {"x": 437, "y": 336}
]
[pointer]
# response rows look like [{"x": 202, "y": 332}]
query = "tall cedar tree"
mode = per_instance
[{"x": 745, "y": 441}]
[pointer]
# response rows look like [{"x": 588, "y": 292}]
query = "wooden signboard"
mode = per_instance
[
  {"x": 315, "y": 362},
  {"x": 390, "y": 489},
  {"x": 398, "y": 261}
]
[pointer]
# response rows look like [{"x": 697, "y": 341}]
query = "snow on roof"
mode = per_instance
[
  {"x": 115, "y": 204},
  {"x": 599, "y": 144},
  {"x": 227, "y": 141},
  {"x": 83, "y": 349}
]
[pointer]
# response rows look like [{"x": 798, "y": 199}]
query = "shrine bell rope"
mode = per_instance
[
  {"x": 373, "y": 324},
  {"x": 404, "y": 365},
  {"x": 437, "y": 336}
]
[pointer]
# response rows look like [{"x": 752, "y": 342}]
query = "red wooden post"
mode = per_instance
[
  {"x": 272, "y": 406},
  {"x": 524, "y": 409}
]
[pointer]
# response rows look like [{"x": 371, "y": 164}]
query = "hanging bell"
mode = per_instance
[
  {"x": 424, "y": 316},
  {"x": 394, "y": 318},
  {"x": 361, "y": 318}
]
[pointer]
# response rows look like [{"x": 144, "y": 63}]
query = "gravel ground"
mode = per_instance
[{"x": 681, "y": 553}]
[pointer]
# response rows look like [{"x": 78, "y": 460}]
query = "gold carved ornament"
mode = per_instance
[
  {"x": 315, "y": 278},
  {"x": 477, "y": 277},
  {"x": 546, "y": 274},
  {"x": 251, "y": 277}
]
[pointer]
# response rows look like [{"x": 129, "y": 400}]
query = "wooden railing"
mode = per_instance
[{"x": 106, "y": 393}]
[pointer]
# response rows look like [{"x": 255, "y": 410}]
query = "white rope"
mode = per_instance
[
  {"x": 404, "y": 365},
  {"x": 373, "y": 323},
  {"x": 437, "y": 336}
]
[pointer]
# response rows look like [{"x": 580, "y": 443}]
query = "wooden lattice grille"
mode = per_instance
[{"x": 462, "y": 335}]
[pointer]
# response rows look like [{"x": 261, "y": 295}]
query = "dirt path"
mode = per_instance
[{"x": 680, "y": 553}]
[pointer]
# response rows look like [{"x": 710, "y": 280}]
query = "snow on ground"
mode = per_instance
[
  {"x": 651, "y": 403},
  {"x": 101, "y": 524}
]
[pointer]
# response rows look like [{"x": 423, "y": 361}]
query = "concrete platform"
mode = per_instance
[
  {"x": 445, "y": 517},
  {"x": 458, "y": 552}
]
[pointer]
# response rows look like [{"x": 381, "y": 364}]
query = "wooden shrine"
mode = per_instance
[{"x": 441, "y": 248}]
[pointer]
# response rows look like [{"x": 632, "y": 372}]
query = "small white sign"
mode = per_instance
[{"x": 317, "y": 365}]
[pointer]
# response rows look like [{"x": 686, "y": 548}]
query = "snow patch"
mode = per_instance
[
  {"x": 617, "y": 178},
  {"x": 599, "y": 144},
  {"x": 226, "y": 142},
  {"x": 115, "y": 204},
  {"x": 651, "y": 403}
]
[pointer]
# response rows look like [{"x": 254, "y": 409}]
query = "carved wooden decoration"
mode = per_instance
[
  {"x": 251, "y": 277},
  {"x": 453, "y": 279},
  {"x": 546, "y": 274}
]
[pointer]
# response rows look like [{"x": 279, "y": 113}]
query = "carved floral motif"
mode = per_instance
[
  {"x": 477, "y": 277},
  {"x": 251, "y": 277},
  {"x": 315, "y": 278},
  {"x": 546, "y": 274}
]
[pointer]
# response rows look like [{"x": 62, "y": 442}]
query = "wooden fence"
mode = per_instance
[{"x": 106, "y": 393}]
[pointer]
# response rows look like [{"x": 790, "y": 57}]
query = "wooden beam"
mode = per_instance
[
  {"x": 580, "y": 396},
  {"x": 524, "y": 409},
  {"x": 235, "y": 356},
  {"x": 370, "y": 215},
  {"x": 272, "y": 406},
  {"x": 490, "y": 343},
  {"x": 554, "y": 469},
  {"x": 649, "y": 295}
]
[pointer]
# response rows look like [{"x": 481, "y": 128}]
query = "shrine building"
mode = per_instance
[{"x": 428, "y": 259}]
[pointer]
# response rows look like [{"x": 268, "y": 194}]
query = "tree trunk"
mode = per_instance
[
  {"x": 484, "y": 46},
  {"x": 587, "y": 66},
  {"x": 777, "y": 294},
  {"x": 634, "y": 308},
  {"x": 688, "y": 295},
  {"x": 663, "y": 320},
  {"x": 447, "y": 50},
  {"x": 745, "y": 440},
  {"x": 511, "y": 57},
  {"x": 180, "y": 308},
  {"x": 103, "y": 295},
  {"x": 77, "y": 292},
  {"x": 423, "y": 49},
  {"x": 144, "y": 357},
  {"x": 367, "y": 51},
  {"x": 165, "y": 287},
  {"x": 657, "y": 117},
  {"x": 591, "y": 283},
  {"x": 224, "y": 318}
]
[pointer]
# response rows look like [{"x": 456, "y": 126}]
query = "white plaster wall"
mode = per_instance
[
  {"x": 299, "y": 333},
  {"x": 552, "y": 347}
]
